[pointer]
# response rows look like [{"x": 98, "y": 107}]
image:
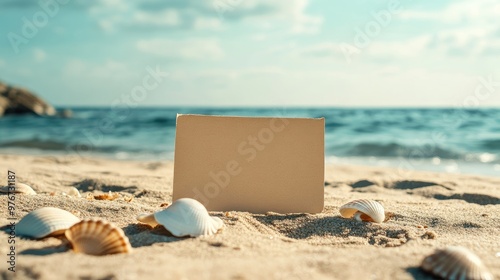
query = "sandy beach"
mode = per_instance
[{"x": 431, "y": 210}]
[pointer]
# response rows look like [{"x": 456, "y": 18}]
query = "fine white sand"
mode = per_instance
[{"x": 432, "y": 210}]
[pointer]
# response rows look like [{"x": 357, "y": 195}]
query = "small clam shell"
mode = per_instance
[
  {"x": 74, "y": 192},
  {"x": 363, "y": 210},
  {"x": 44, "y": 222},
  {"x": 185, "y": 217},
  {"x": 98, "y": 238},
  {"x": 19, "y": 189},
  {"x": 456, "y": 263}
]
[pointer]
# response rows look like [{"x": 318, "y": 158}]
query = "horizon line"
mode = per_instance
[{"x": 278, "y": 106}]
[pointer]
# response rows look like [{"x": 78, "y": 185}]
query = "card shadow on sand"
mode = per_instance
[
  {"x": 397, "y": 185},
  {"x": 411, "y": 185},
  {"x": 89, "y": 185}
]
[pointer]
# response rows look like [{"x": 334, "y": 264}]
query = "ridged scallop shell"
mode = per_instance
[
  {"x": 456, "y": 263},
  {"x": 44, "y": 222},
  {"x": 185, "y": 217},
  {"x": 98, "y": 238},
  {"x": 357, "y": 208},
  {"x": 20, "y": 189}
]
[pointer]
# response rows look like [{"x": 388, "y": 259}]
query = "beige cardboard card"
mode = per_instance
[{"x": 250, "y": 164}]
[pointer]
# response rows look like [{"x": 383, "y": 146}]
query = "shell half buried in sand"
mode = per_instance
[
  {"x": 74, "y": 192},
  {"x": 456, "y": 263},
  {"x": 98, "y": 238},
  {"x": 20, "y": 188},
  {"x": 363, "y": 210},
  {"x": 185, "y": 217},
  {"x": 45, "y": 222}
]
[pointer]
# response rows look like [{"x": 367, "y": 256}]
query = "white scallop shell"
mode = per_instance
[
  {"x": 370, "y": 208},
  {"x": 185, "y": 217},
  {"x": 20, "y": 189},
  {"x": 74, "y": 192},
  {"x": 44, "y": 222},
  {"x": 98, "y": 238},
  {"x": 456, "y": 263}
]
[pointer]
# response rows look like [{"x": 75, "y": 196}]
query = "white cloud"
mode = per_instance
[
  {"x": 207, "y": 23},
  {"x": 307, "y": 25},
  {"x": 459, "y": 11},
  {"x": 39, "y": 55},
  {"x": 259, "y": 37},
  {"x": 376, "y": 49},
  {"x": 109, "y": 13},
  {"x": 105, "y": 70},
  {"x": 193, "y": 49},
  {"x": 169, "y": 18},
  {"x": 304, "y": 23},
  {"x": 263, "y": 13},
  {"x": 107, "y": 25},
  {"x": 211, "y": 15},
  {"x": 240, "y": 73},
  {"x": 408, "y": 48},
  {"x": 2, "y": 62},
  {"x": 321, "y": 50},
  {"x": 464, "y": 28},
  {"x": 464, "y": 41},
  {"x": 106, "y": 6},
  {"x": 450, "y": 36}
]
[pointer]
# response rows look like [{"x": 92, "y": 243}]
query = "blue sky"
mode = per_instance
[{"x": 256, "y": 52}]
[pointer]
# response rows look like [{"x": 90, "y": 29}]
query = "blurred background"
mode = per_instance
[{"x": 400, "y": 83}]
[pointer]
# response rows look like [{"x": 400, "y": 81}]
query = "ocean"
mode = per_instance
[{"x": 444, "y": 140}]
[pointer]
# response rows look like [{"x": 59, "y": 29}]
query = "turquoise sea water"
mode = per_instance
[{"x": 448, "y": 140}]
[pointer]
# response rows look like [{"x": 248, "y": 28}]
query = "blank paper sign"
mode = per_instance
[{"x": 250, "y": 164}]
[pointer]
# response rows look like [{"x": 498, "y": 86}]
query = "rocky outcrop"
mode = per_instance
[
  {"x": 4, "y": 103},
  {"x": 15, "y": 100}
]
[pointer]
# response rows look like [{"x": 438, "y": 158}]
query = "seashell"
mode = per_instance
[
  {"x": 98, "y": 238},
  {"x": 74, "y": 192},
  {"x": 456, "y": 263},
  {"x": 184, "y": 217},
  {"x": 107, "y": 196},
  {"x": 19, "y": 189},
  {"x": 45, "y": 222},
  {"x": 147, "y": 219},
  {"x": 363, "y": 210}
]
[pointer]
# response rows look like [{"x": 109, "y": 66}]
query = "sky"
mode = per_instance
[{"x": 395, "y": 53}]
